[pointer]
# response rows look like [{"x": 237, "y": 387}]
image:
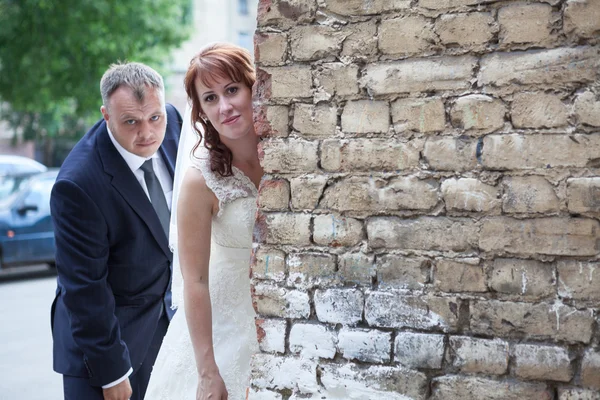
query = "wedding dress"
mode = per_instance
[{"x": 174, "y": 376}]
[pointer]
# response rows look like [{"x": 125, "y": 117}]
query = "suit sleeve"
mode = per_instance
[{"x": 82, "y": 251}]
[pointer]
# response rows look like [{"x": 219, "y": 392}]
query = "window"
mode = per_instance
[
  {"x": 243, "y": 7},
  {"x": 245, "y": 41}
]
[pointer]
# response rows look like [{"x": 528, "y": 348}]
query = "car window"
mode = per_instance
[
  {"x": 7, "y": 186},
  {"x": 11, "y": 184},
  {"x": 39, "y": 194},
  {"x": 6, "y": 169}
]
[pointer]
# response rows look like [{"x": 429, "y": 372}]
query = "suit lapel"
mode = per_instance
[{"x": 124, "y": 181}]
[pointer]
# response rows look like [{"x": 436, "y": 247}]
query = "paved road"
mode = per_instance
[{"x": 25, "y": 340}]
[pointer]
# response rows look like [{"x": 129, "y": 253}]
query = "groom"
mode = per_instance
[{"x": 111, "y": 208}]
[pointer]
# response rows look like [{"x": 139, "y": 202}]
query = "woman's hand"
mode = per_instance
[{"x": 211, "y": 387}]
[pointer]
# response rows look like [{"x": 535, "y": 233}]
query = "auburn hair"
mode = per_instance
[{"x": 216, "y": 61}]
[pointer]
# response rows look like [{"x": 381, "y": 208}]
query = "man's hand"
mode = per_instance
[{"x": 122, "y": 391}]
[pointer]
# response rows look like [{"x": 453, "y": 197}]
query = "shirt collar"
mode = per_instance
[{"x": 133, "y": 160}]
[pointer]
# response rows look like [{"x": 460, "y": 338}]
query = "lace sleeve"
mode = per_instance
[{"x": 226, "y": 189}]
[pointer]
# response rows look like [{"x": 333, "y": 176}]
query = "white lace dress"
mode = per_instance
[{"x": 174, "y": 376}]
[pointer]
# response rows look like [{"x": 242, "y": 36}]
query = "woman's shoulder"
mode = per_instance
[{"x": 195, "y": 181}]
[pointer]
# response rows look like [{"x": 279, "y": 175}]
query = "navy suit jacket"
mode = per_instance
[{"x": 112, "y": 257}]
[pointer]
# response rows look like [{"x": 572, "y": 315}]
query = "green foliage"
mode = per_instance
[{"x": 54, "y": 52}]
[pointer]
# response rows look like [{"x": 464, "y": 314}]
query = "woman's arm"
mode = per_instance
[{"x": 196, "y": 206}]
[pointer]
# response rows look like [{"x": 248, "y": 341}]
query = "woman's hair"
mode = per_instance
[{"x": 219, "y": 60}]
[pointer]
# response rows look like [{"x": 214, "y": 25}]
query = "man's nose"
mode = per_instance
[{"x": 144, "y": 130}]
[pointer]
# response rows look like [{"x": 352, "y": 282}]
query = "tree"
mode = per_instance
[{"x": 54, "y": 52}]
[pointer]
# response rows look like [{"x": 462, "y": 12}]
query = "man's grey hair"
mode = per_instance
[{"x": 134, "y": 75}]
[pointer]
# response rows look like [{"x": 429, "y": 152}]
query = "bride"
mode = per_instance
[{"x": 207, "y": 349}]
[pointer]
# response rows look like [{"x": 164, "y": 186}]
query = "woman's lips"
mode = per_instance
[{"x": 231, "y": 120}]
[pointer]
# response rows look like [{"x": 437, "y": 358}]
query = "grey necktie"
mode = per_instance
[{"x": 157, "y": 196}]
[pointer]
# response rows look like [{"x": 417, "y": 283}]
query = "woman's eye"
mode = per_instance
[
  {"x": 209, "y": 98},
  {"x": 232, "y": 90}
]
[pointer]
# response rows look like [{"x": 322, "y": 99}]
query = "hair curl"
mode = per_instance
[{"x": 213, "y": 62}]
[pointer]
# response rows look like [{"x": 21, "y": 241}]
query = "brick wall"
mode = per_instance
[{"x": 428, "y": 224}]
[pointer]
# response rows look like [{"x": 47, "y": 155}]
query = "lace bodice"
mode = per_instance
[{"x": 232, "y": 226}]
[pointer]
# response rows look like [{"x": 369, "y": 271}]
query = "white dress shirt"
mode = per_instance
[
  {"x": 160, "y": 169},
  {"x": 166, "y": 183}
]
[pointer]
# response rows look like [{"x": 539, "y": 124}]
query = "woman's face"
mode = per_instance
[{"x": 228, "y": 106}]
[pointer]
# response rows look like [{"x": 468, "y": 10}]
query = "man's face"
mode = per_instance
[{"x": 138, "y": 126}]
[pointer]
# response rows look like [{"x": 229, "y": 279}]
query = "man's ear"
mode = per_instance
[{"x": 104, "y": 112}]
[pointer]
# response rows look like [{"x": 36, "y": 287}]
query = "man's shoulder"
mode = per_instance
[
  {"x": 83, "y": 160},
  {"x": 173, "y": 115}
]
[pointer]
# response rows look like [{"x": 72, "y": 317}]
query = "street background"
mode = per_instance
[{"x": 26, "y": 351}]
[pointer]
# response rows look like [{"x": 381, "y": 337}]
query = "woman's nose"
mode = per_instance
[{"x": 225, "y": 105}]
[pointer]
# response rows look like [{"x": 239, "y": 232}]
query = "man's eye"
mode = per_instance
[
  {"x": 155, "y": 118},
  {"x": 130, "y": 121}
]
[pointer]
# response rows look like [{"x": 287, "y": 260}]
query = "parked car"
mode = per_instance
[
  {"x": 26, "y": 230},
  {"x": 15, "y": 171},
  {"x": 14, "y": 165}
]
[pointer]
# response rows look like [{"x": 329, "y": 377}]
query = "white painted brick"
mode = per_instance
[
  {"x": 312, "y": 341},
  {"x": 273, "y": 372},
  {"x": 271, "y": 335},
  {"x": 395, "y": 310},
  {"x": 376, "y": 382},
  {"x": 419, "y": 350},
  {"x": 565, "y": 393},
  {"x": 279, "y": 302},
  {"x": 365, "y": 345},
  {"x": 343, "y": 306},
  {"x": 263, "y": 395},
  {"x": 306, "y": 270}
]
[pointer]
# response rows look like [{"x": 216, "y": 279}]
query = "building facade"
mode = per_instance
[{"x": 231, "y": 21}]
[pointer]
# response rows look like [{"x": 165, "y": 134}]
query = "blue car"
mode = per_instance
[{"x": 26, "y": 230}]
